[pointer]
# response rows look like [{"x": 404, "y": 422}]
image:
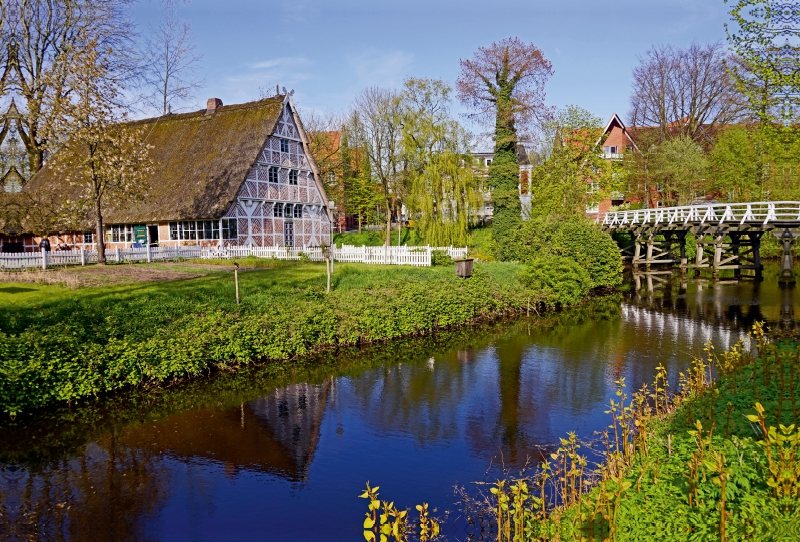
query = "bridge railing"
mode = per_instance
[{"x": 762, "y": 212}]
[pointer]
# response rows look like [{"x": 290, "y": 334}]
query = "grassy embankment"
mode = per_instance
[
  {"x": 715, "y": 460},
  {"x": 59, "y": 344}
]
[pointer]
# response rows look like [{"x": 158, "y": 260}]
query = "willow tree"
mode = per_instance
[
  {"x": 442, "y": 188},
  {"x": 102, "y": 161},
  {"x": 504, "y": 86}
]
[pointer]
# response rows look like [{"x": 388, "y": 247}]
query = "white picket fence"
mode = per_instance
[{"x": 416, "y": 256}]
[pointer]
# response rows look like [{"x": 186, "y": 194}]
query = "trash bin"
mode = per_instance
[{"x": 464, "y": 268}]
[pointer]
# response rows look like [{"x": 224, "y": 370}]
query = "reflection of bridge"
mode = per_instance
[
  {"x": 728, "y": 234},
  {"x": 690, "y": 330}
]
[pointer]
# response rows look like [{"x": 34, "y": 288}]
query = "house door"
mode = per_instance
[
  {"x": 288, "y": 234},
  {"x": 152, "y": 233}
]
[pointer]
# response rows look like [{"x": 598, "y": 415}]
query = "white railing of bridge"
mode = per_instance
[
  {"x": 416, "y": 256},
  {"x": 713, "y": 213}
]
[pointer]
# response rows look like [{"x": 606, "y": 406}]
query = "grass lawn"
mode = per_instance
[{"x": 58, "y": 343}]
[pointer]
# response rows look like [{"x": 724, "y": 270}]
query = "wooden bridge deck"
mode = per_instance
[{"x": 728, "y": 234}]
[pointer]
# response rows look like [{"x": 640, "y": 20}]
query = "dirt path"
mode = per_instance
[{"x": 110, "y": 275}]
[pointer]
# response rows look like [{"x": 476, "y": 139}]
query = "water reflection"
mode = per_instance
[
  {"x": 286, "y": 461},
  {"x": 103, "y": 494},
  {"x": 277, "y": 434}
]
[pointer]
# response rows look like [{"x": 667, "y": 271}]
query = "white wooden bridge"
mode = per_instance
[{"x": 728, "y": 234}]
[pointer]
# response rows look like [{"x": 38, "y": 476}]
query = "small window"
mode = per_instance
[
  {"x": 292, "y": 176},
  {"x": 488, "y": 162},
  {"x": 331, "y": 177},
  {"x": 273, "y": 175},
  {"x": 287, "y": 210},
  {"x": 229, "y": 228},
  {"x": 88, "y": 237},
  {"x": 277, "y": 210},
  {"x": 297, "y": 211},
  {"x": 284, "y": 145}
]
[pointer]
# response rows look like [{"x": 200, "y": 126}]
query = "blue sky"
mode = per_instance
[{"x": 329, "y": 50}]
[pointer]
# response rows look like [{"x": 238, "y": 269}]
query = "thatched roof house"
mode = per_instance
[{"x": 226, "y": 175}]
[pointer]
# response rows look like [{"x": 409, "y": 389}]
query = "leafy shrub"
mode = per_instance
[
  {"x": 440, "y": 257},
  {"x": 560, "y": 279},
  {"x": 82, "y": 346},
  {"x": 591, "y": 248},
  {"x": 578, "y": 239}
]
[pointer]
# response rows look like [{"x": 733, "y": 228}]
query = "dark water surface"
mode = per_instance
[{"x": 267, "y": 454}]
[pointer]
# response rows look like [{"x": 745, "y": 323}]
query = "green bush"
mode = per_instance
[
  {"x": 578, "y": 239},
  {"x": 440, "y": 257},
  {"x": 561, "y": 280}
]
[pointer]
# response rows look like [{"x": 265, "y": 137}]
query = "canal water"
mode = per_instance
[{"x": 269, "y": 454}]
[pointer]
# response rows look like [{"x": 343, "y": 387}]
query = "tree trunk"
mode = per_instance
[
  {"x": 101, "y": 243},
  {"x": 359, "y": 222},
  {"x": 388, "y": 224}
]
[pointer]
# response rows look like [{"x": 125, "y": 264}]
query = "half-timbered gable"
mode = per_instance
[
  {"x": 238, "y": 175},
  {"x": 281, "y": 202}
]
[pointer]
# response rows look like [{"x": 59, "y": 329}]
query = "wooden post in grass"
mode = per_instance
[
  {"x": 327, "y": 255},
  {"x": 236, "y": 279}
]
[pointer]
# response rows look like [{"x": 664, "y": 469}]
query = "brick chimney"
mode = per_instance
[{"x": 212, "y": 104}]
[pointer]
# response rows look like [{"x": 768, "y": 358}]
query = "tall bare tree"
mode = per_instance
[
  {"x": 36, "y": 33},
  {"x": 504, "y": 85},
  {"x": 375, "y": 127},
  {"x": 682, "y": 90},
  {"x": 104, "y": 162},
  {"x": 171, "y": 61}
]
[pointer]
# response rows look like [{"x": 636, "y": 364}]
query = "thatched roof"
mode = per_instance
[{"x": 200, "y": 162}]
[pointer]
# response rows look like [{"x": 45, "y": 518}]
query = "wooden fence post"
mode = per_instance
[
  {"x": 83, "y": 256},
  {"x": 149, "y": 256},
  {"x": 117, "y": 254},
  {"x": 44, "y": 259},
  {"x": 236, "y": 279}
]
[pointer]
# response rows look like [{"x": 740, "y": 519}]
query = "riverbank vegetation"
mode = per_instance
[
  {"x": 716, "y": 459},
  {"x": 60, "y": 345}
]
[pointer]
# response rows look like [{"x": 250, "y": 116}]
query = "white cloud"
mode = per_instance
[
  {"x": 280, "y": 62},
  {"x": 247, "y": 83}
]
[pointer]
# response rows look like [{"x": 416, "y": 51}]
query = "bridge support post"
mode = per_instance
[
  {"x": 787, "y": 264},
  {"x": 755, "y": 242},
  {"x": 735, "y": 245}
]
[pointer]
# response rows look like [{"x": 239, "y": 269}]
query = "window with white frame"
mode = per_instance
[
  {"x": 273, "y": 175},
  {"x": 194, "y": 230},
  {"x": 119, "y": 234},
  {"x": 292, "y": 176},
  {"x": 277, "y": 210},
  {"x": 284, "y": 145},
  {"x": 592, "y": 188},
  {"x": 297, "y": 211},
  {"x": 88, "y": 237}
]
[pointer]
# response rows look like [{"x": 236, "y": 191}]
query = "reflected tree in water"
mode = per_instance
[{"x": 100, "y": 495}]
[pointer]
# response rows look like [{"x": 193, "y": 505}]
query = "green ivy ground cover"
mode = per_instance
[
  {"x": 714, "y": 444},
  {"x": 59, "y": 345}
]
